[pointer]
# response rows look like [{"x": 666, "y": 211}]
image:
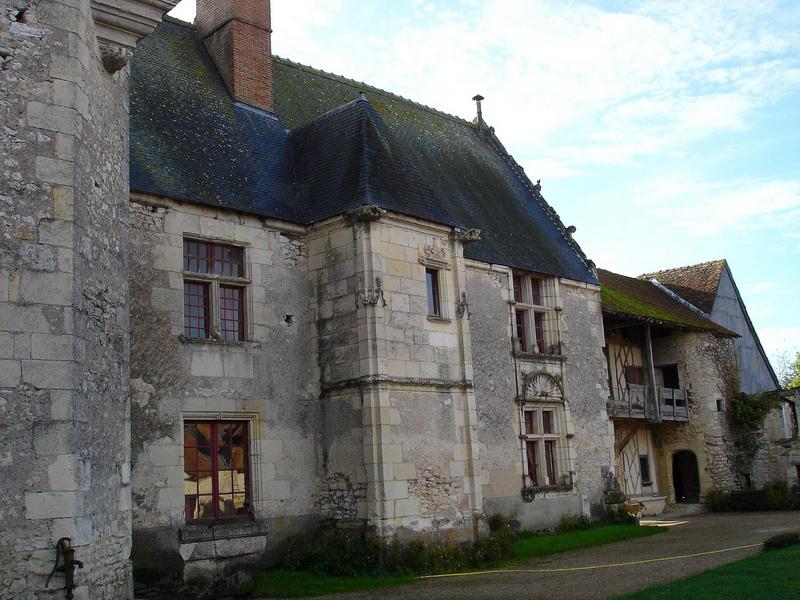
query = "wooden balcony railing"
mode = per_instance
[{"x": 636, "y": 402}]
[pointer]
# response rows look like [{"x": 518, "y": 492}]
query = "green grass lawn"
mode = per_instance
[
  {"x": 296, "y": 584},
  {"x": 774, "y": 574},
  {"x": 531, "y": 546}
]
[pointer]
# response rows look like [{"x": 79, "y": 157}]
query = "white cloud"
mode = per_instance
[{"x": 710, "y": 207}]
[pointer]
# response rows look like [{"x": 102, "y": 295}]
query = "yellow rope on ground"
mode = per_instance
[{"x": 591, "y": 567}]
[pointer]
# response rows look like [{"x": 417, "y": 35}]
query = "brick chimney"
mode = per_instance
[{"x": 237, "y": 36}]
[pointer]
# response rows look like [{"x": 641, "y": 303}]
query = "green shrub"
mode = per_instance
[
  {"x": 718, "y": 501},
  {"x": 782, "y": 541},
  {"x": 573, "y": 523},
  {"x": 779, "y": 496},
  {"x": 335, "y": 551}
]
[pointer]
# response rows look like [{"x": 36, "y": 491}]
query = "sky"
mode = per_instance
[{"x": 666, "y": 131}]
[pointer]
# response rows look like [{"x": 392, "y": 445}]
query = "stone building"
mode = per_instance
[
  {"x": 312, "y": 300},
  {"x": 679, "y": 346},
  {"x": 345, "y": 306}
]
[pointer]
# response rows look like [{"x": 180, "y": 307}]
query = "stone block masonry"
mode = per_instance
[{"x": 63, "y": 297}]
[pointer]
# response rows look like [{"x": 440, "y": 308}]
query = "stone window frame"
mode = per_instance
[
  {"x": 535, "y": 314},
  {"x": 552, "y": 467},
  {"x": 254, "y": 462},
  {"x": 215, "y": 283},
  {"x": 434, "y": 258}
]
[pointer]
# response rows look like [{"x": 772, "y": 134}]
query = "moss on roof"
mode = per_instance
[{"x": 642, "y": 300}]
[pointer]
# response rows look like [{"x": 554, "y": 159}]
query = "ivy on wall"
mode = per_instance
[{"x": 748, "y": 412}]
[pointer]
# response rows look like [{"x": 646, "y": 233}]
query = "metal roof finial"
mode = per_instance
[
  {"x": 362, "y": 96},
  {"x": 477, "y": 98}
]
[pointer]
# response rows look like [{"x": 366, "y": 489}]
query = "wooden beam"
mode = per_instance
[{"x": 651, "y": 370}]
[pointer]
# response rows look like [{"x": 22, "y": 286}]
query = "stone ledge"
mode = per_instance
[{"x": 222, "y": 531}]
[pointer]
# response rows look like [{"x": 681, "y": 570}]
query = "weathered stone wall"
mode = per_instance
[
  {"x": 706, "y": 367},
  {"x": 396, "y": 383},
  {"x": 501, "y": 377},
  {"x": 270, "y": 380},
  {"x": 63, "y": 301}
]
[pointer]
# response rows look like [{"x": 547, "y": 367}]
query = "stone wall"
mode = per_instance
[
  {"x": 501, "y": 377},
  {"x": 396, "y": 382},
  {"x": 64, "y": 470},
  {"x": 270, "y": 380},
  {"x": 706, "y": 367}
]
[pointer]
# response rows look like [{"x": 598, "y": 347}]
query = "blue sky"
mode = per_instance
[{"x": 667, "y": 132}]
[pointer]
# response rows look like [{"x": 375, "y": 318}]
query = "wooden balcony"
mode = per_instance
[{"x": 636, "y": 402}]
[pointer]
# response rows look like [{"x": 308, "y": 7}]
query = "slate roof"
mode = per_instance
[
  {"x": 641, "y": 300},
  {"x": 694, "y": 283},
  {"x": 191, "y": 141}
]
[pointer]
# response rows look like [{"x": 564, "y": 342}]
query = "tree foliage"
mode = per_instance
[{"x": 789, "y": 371}]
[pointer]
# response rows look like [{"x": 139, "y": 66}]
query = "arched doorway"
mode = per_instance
[{"x": 685, "y": 477}]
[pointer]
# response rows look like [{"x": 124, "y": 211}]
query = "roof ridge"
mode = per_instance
[
  {"x": 372, "y": 89},
  {"x": 681, "y": 268}
]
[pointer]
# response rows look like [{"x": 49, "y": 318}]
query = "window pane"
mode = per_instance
[
  {"x": 223, "y": 434},
  {"x": 517, "y": 279},
  {"x": 239, "y": 434},
  {"x": 530, "y": 450},
  {"x": 231, "y": 322},
  {"x": 204, "y": 459},
  {"x": 192, "y": 512},
  {"x": 239, "y": 501},
  {"x": 195, "y": 310},
  {"x": 644, "y": 466},
  {"x": 195, "y": 256},
  {"x": 432, "y": 280},
  {"x": 536, "y": 290},
  {"x": 538, "y": 320},
  {"x": 190, "y": 484},
  {"x": 205, "y": 507},
  {"x": 226, "y": 507},
  {"x": 520, "y": 318},
  {"x": 203, "y": 434},
  {"x": 190, "y": 434},
  {"x": 239, "y": 480},
  {"x": 547, "y": 421},
  {"x": 204, "y": 485},
  {"x": 228, "y": 261},
  {"x": 223, "y": 458},
  {"x": 237, "y": 457},
  {"x": 550, "y": 458},
  {"x": 224, "y": 482},
  {"x": 530, "y": 422}
]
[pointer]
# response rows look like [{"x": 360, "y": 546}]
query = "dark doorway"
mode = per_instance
[{"x": 685, "y": 477}]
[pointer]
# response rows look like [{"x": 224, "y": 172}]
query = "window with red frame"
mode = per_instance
[
  {"x": 217, "y": 267},
  {"x": 195, "y": 309},
  {"x": 215, "y": 465},
  {"x": 231, "y": 311}
]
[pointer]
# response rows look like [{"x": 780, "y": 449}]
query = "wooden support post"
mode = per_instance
[{"x": 651, "y": 370}]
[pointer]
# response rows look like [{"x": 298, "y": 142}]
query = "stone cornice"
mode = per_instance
[{"x": 120, "y": 24}]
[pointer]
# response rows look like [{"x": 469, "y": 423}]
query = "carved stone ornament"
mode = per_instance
[
  {"x": 368, "y": 212},
  {"x": 434, "y": 256},
  {"x": 371, "y": 296},
  {"x": 541, "y": 386},
  {"x": 528, "y": 494},
  {"x": 120, "y": 24},
  {"x": 465, "y": 236},
  {"x": 462, "y": 308}
]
